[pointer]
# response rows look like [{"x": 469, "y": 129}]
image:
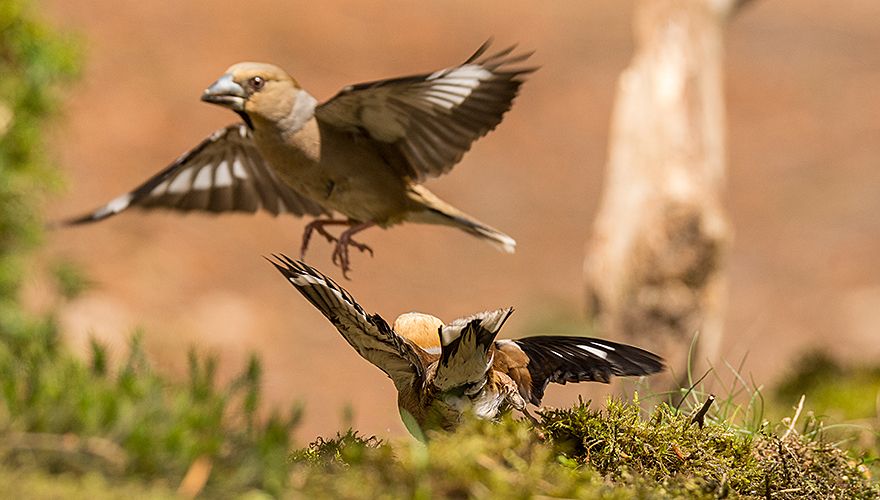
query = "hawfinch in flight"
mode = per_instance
[
  {"x": 443, "y": 371},
  {"x": 363, "y": 154}
]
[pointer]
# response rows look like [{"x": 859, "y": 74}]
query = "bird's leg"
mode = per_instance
[
  {"x": 536, "y": 425},
  {"x": 340, "y": 253},
  {"x": 318, "y": 225},
  {"x": 534, "y": 420}
]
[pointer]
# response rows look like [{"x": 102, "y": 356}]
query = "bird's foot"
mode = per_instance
[
  {"x": 318, "y": 225},
  {"x": 536, "y": 425},
  {"x": 340, "y": 253}
]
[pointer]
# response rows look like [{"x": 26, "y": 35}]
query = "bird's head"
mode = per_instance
[
  {"x": 420, "y": 329},
  {"x": 254, "y": 90}
]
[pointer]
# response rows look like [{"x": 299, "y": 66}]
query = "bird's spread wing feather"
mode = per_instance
[
  {"x": 369, "y": 334},
  {"x": 464, "y": 357},
  {"x": 581, "y": 359},
  {"x": 224, "y": 173},
  {"x": 430, "y": 120}
]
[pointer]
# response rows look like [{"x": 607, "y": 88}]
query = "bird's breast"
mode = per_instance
[
  {"x": 498, "y": 396},
  {"x": 336, "y": 171}
]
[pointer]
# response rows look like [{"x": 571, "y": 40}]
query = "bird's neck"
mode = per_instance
[{"x": 302, "y": 110}]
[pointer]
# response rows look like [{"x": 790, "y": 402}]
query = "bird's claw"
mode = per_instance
[
  {"x": 340, "y": 253},
  {"x": 342, "y": 242},
  {"x": 361, "y": 247},
  {"x": 316, "y": 225}
]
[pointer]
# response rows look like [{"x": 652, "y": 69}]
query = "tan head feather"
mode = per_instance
[{"x": 420, "y": 329}]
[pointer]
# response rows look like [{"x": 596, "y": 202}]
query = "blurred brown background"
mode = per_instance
[{"x": 803, "y": 95}]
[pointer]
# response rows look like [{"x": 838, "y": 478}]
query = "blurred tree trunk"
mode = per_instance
[{"x": 655, "y": 264}]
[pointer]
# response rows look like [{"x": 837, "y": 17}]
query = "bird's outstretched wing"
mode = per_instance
[
  {"x": 562, "y": 359},
  {"x": 369, "y": 334},
  {"x": 464, "y": 356},
  {"x": 429, "y": 121},
  {"x": 224, "y": 173}
]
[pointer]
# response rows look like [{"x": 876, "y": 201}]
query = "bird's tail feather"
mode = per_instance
[
  {"x": 437, "y": 211},
  {"x": 493, "y": 236},
  {"x": 454, "y": 218}
]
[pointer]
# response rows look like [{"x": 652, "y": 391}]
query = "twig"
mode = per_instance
[
  {"x": 691, "y": 388},
  {"x": 797, "y": 413},
  {"x": 701, "y": 414}
]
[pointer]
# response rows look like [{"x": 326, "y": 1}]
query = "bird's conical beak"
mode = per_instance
[{"x": 225, "y": 92}]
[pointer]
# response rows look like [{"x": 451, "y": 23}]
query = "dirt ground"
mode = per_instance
[{"x": 803, "y": 92}]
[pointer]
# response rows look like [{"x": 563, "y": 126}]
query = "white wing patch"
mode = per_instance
[
  {"x": 161, "y": 188},
  {"x": 469, "y": 75},
  {"x": 603, "y": 346},
  {"x": 115, "y": 206},
  {"x": 238, "y": 169},
  {"x": 305, "y": 279},
  {"x": 203, "y": 179},
  {"x": 222, "y": 177},
  {"x": 181, "y": 183},
  {"x": 595, "y": 352},
  {"x": 449, "y": 88}
]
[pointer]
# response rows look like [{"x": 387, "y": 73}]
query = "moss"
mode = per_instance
[
  {"x": 667, "y": 448},
  {"x": 581, "y": 452}
]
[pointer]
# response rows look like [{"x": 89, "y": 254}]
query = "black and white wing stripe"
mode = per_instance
[
  {"x": 224, "y": 173},
  {"x": 431, "y": 120},
  {"x": 464, "y": 355},
  {"x": 369, "y": 334},
  {"x": 562, "y": 359}
]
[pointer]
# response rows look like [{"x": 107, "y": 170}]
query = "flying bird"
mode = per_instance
[
  {"x": 444, "y": 371},
  {"x": 363, "y": 154}
]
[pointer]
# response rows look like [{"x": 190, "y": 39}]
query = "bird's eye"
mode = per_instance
[{"x": 257, "y": 82}]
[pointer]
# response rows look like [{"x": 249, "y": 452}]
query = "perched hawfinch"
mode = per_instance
[
  {"x": 362, "y": 154},
  {"x": 443, "y": 371}
]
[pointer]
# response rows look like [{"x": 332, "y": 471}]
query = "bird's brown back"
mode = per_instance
[{"x": 510, "y": 360}]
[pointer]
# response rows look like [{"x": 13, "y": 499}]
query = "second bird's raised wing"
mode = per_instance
[
  {"x": 464, "y": 357},
  {"x": 369, "y": 334}
]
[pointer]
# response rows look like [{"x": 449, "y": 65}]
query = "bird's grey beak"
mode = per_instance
[{"x": 225, "y": 92}]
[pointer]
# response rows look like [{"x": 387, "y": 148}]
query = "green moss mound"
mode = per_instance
[{"x": 580, "y": 452}]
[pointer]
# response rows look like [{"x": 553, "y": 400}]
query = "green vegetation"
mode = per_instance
[
  {"x": 586, "y": 453},
  {"x": 845, "y": 392},
  {"x": 33, "y": 63},
  {"x": 59, "y": 414},
  {"x": 846, "y": 395}
]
